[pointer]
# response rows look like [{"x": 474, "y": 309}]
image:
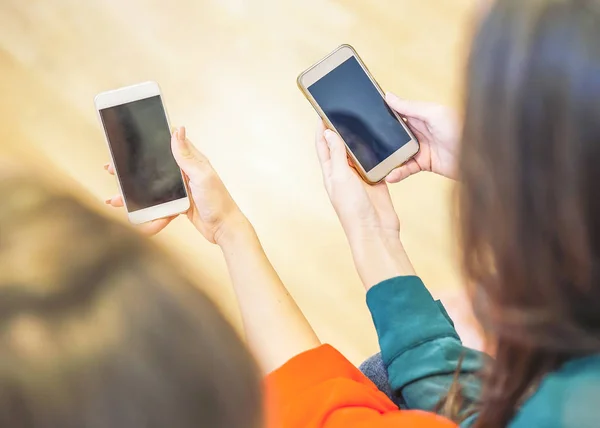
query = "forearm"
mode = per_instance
[
  {"x": 378, "y": 256},
  {"x": 419, "y": 344},
  {"x": 276, "y": 329}
]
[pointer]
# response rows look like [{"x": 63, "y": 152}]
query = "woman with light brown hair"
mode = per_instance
[{"x": 99, "y": 328}]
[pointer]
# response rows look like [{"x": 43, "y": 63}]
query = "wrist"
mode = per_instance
[
  {"x": 379, "y": 256},
  {"x": 360, "y": 234},
  {"x": 234, "y": 230}
]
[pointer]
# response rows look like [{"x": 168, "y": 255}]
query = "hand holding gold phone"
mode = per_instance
[{"x": 351, "y": 103}]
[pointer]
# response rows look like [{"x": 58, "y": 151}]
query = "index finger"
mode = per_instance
[
  {"x": 402, "y": 172},
  {"x": 409, "y": 108}
]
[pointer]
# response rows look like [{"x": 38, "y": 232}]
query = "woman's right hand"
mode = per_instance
[
  {"x": 438, "y": 131},
  {"x": 212, "y": 209}
]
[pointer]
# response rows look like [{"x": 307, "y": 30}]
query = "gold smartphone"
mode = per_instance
[{"x": 351, "y": 103}]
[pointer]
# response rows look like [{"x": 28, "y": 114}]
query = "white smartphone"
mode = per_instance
[
  {"x": 351, "y": 103},
  {"x": 139, "y": 139}
]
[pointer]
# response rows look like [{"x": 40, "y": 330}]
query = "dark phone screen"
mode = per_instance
[
  {"x": 140, "y": 140},
  {"x": 359, "y": 113}
]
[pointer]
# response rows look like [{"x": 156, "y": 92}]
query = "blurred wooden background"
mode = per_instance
[{"x": 227, "y": 69}]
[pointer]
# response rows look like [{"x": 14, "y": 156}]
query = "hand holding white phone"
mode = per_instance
[
  {"x": 213, "y": 211},
  {"x": 137, "y": 131}
]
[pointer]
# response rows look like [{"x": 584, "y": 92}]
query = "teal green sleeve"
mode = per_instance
[{"x": 419, "y": 344}]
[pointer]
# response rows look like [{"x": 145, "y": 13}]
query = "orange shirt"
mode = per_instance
[{"x": 322, "y": 389}]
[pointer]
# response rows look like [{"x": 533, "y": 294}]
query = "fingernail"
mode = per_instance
[
  {"x": 329, "y": 136},
  {"x": 182, "y": 143},
  {"x": 181, "y": 133},
  {"x": 106, "y": 165},
  {"x": 108, "y": 201}
]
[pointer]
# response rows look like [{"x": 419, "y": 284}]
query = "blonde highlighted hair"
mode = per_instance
[{"x": 99, "y": 329}]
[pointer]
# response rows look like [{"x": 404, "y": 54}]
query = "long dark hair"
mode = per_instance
[
  {"x": 530, "y": 194},
  {"x": 98, "y": 327}
]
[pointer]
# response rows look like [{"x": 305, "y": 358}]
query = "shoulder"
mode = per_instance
[{"x": 566, "y": 398}]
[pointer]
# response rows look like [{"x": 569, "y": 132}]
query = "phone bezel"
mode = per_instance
[
  {"x": 320, "y": 70},
  {"x": 127, "y": 95}
]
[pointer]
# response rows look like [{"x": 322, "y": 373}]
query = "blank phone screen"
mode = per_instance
[
  {"x": 359, "y": 113},
  {"x": 140, "y": 140}
]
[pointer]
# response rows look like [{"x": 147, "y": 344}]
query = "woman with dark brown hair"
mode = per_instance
[{"x": 529, "y": 205}]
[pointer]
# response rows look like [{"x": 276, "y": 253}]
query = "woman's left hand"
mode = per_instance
[{"x": 366, "y": 212}]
